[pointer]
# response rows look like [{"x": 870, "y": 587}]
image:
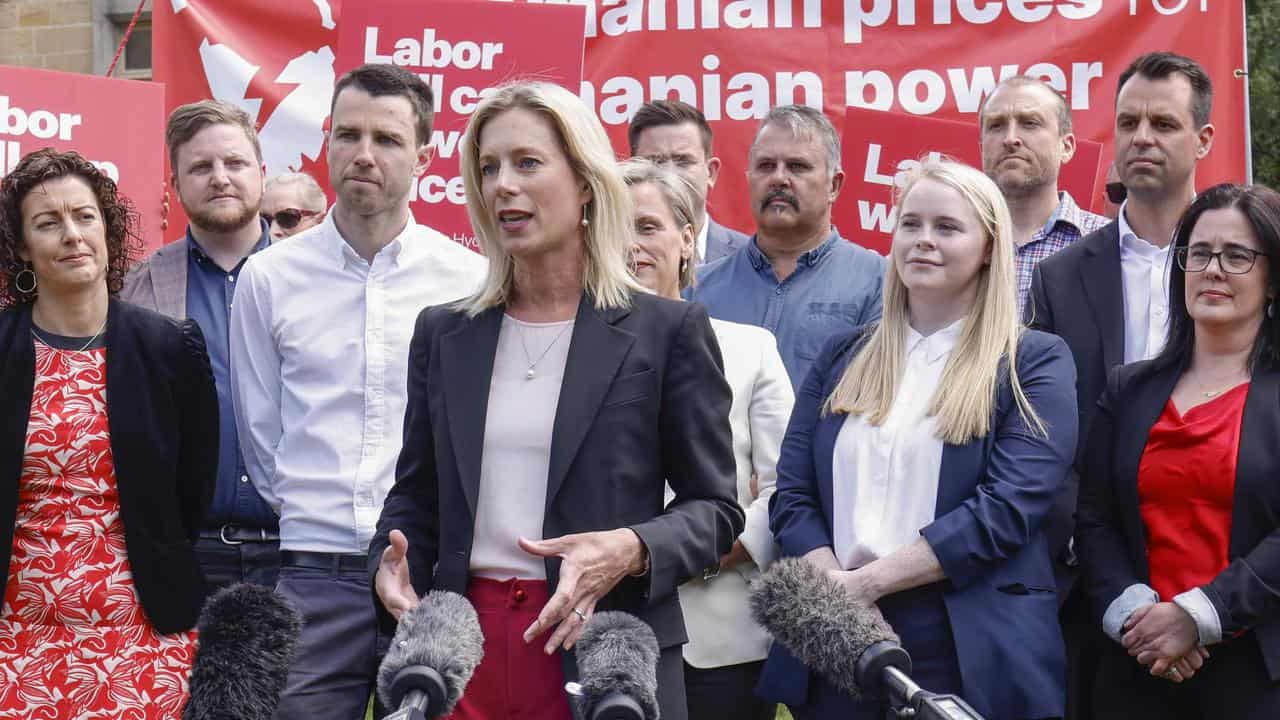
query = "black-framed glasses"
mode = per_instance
[
  {"x": 289, "y": 217},
  {"x": 1233, "y": 260}
]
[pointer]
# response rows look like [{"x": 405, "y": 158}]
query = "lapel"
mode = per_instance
[
  {"x": 169, "y": 278},
  {"x": 466, "y": 369},
  {"x": 125, "y": 369},
  {"x": 1136, "y": 413},
  {"x": 1256, "y": 457},
  {"x": 17, "y": 384},
  {"x": 1100, "y": 275},
  {"x": 596, "y": 351}
]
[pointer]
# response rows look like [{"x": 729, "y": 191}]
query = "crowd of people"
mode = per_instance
[{"x": 1040, "y": 441}]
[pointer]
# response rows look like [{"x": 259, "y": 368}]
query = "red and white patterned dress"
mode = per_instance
[{"x": 74, "y": 641}]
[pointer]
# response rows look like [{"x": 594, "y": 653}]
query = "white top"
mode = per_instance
[
  {"x": 886, "y": 478},
  {"x": 516, "y": 454},
  {"x": 318, "y": 374},
  {"x": 1144, "y": 274},
  {"x": 700, "y": 242},
  {"x": 718, "y": 612}
]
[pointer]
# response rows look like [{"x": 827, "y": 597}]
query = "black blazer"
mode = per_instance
[
  {"x": 1077, "y": 295},
  {"x": 162, "y": 412},
  {"x": 1112, "y": 537},
  {"x": 644, "y": 400}
]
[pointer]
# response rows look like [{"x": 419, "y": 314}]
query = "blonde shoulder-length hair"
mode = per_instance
[
  {"x": 607, "y": 238},
  {"x": 985, "y": 356}
]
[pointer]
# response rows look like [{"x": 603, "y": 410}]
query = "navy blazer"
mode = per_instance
[
  {"x": 993, "y": 493},
  {"x": 162, "y": 412},
  {"x": 1112, "y": 537},
  {"x": 644, "y": 400}
]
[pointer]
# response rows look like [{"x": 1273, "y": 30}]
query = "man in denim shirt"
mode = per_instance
[{"x": 797, "y": 277}]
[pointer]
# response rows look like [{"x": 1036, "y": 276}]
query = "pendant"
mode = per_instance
[
  {"x": 529, "y": 375},
  {"x": 1212, "y": 393}
]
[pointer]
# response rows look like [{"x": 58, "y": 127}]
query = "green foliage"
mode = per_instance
[{"x": 1264, "y": 89}]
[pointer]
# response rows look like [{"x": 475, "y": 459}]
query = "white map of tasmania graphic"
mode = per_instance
[{"x": 295, "y": 129}]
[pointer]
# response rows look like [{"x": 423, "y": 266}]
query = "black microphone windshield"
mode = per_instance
[
  {"x": 442, "y": 633},
  {"x": 617, "y": 654},
  {"x": 247, "y": 633},
  {"x": 817, "y": 620}
]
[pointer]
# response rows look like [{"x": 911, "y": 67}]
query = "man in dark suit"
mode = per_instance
[
  {"x": 1107, "y": 295},
  {"x": 218, "y": 177},
  {"x": 670, "y": 132}
]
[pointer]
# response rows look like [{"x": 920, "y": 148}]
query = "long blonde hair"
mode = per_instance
[
  {"x": 986, "y": 352},
  {"x": 605, "y": 272}
]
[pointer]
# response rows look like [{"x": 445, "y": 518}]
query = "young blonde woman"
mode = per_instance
[{"x": 924, "y": 453}]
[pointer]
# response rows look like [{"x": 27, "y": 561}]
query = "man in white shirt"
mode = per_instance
[
  {"x": 323, "y": 324},
  {"x": 676, "y": 134},
  {"x": 1107, "y": 295}
]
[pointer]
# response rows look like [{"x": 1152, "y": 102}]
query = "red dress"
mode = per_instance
[
  {"x": 74, "y": 641},
  {"x": 1186, "y": 491}
]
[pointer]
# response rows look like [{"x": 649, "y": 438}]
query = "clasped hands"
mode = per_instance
[
  {"x": 591, "y": 565},
  {"x": 1163, "y": 638}
]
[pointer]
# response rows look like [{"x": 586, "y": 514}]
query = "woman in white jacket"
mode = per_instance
[{"x": 726, "y": 648}]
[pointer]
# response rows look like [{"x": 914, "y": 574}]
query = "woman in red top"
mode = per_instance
[
  {"x": 1179, "y": 516},
  {"x": 108, "y": 445}
]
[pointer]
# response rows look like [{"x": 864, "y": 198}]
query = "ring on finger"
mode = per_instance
[
  {"x": 581, "y": 615},
  {"x": 1172, "y": 674}
]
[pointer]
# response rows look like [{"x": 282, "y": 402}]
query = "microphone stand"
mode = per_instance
[
  {"x": 420, "y": 692},
  {"x": 882, "y": 672}
]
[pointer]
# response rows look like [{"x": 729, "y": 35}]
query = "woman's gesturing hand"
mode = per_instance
[
  {"x": 392, "y": 580},
  {"x": 591, "y": 565}
]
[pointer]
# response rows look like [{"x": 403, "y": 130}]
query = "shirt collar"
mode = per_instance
[
  {"x": 196, "y": 251},
  {"x": 938, "y": 345},
  {"x": 700, "y": 243},
  {"x": 1067, "y": 212},
  {"x": 342, "y": 252},
  {"x": 1132, "y": 245},
  {"x": 810, "y": 258}
]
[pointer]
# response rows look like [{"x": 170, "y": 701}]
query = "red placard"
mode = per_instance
[
  {"x": 879, "y": 148},
  {"x": 68, "y": 111},
  {"x": 736, "y": 58},
  {"x": 460, "y": 49}
]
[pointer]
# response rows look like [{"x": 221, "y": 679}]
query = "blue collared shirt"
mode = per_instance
[
  {"x": 834, "y": 289},
  {"x": 210, "y": 290}
]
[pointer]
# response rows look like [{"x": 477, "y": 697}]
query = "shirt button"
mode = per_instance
[
  {"x": 519, "y": 595},
  {"x": 778, "y": 291},
  {"x": 244, "y": 478}
]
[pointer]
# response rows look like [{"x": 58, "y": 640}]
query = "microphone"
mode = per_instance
[
  {"x": 617, "y": 669},
  {"x": 436, "y": 648},
  {"x": 845, "y": 641},
  {"x": 246, "y": 638}
]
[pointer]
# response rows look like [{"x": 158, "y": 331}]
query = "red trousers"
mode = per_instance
[{"x": 514, "y": 681}]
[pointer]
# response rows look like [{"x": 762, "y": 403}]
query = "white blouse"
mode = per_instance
[
  {"x": 886, "y": 478},
  {"x": 516, "y": 455}
]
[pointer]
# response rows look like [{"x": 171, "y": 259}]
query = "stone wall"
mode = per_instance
[{"x": 54, "y": 34}]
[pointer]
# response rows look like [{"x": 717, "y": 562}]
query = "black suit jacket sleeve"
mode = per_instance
[
  {"x": 1037, "y": 313},
  {"x": 1247, "y": 592},
  {"x": 1104, "y": 551},
  {"x": 198, "y": 421},
  {"x": 411, "y": 506},
  {"x": 703, "y": 520}
]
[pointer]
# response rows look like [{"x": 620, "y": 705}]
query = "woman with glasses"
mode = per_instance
[
  {"x": 1179, "y": 515},
  {"x": 292, "y": 202}
]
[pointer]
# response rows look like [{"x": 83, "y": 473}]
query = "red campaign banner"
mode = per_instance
[
  {"x": 460, "y": 50},
  {"x": 880, "y": 148},
  {"x": 68, "y": 111},
  {"x": 734, "y": 59}
]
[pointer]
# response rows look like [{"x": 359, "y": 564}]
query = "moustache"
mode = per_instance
[{"x": 782, "y": 195}]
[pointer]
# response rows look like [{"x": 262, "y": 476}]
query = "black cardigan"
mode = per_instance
[{"x": 162, "y": 411}]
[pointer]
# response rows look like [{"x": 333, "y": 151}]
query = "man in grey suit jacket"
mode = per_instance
[
  {"x": 671, "y": 132},
  {"x": 218, "y": 177}
]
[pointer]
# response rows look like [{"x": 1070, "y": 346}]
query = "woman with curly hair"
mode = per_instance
[{"x": 108, "y": 446}]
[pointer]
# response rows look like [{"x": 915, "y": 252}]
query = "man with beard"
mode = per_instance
[
  {"x": 1107, "y": 295},
  {"x": 797, "y": 277},
  {"x": 324, "y": 322},
  {"x": 218, "y": 177},
  {"x": 1026, "y": 139}
]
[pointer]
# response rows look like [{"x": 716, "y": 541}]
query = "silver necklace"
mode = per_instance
[
  {"x": 82, "y": 348},
  {"x": 531, "y": 372}
]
